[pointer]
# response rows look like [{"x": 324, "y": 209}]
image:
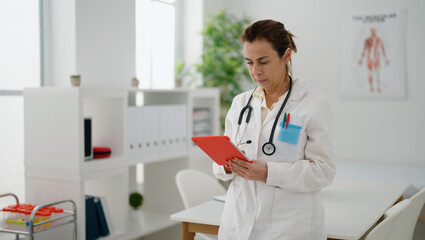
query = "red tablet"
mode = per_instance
[{"x": 219, "y": 148}]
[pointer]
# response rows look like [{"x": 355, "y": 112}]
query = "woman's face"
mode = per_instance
[{"x": 267, "y": 69}]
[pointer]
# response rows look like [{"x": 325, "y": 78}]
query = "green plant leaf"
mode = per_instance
[{"x": 223, "y": 62}]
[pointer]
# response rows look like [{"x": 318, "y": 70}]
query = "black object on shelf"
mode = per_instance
[
  {"x": 103, "y": 225},
  {"x": 88, "y": 153},
  {"x": 92, "y": 227},
  {"x": 96, "y": 224}
]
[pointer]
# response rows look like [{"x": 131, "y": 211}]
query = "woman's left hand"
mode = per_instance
[{"x": 253, "y": 170}]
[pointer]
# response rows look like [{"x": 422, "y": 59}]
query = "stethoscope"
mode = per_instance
[{"x": 268, "y": 148}]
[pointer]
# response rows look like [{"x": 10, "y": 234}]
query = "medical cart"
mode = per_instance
[{"x": 33, "y": 228}]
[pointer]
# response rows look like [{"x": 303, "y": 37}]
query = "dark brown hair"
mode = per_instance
[{"x": 273, "y": 32}]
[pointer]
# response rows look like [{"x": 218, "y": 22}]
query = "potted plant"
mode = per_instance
[
  {"x": 135, "y": 200},
  {"x": 75, "y": 80},
  {"x": 135, "y": 82},
  {"x": 180, "y": 73},
  {"x": 223, "y": 63}
]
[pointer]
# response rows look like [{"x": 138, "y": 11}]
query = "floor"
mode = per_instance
[{"x": 418, "y": 235}]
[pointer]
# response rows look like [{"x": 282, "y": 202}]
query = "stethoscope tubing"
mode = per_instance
[
  {"x": 280, "y": 110},
  {"x": 268, "y": 148}
]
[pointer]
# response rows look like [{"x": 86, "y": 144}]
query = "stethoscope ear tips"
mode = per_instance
[{"x": 249, "y": 141}]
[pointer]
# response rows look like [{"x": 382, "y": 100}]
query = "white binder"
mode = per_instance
[
  {"x": 154, "y": 130},
  {"x": 149, "y": 133},
  {"x": 157, "y": 131},
  {"x": 181, "y": 129},
  {"x": 165, "y": 122},
  {"x": 132, "y": 133}
]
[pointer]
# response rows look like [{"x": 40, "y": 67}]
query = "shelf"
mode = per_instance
[
  {"x": 10, "y": 228},
  {"x": 145, "y": 222},
  {"x": 160, "y": 159},
  {"x": 114, "y": 235},
  {"x": 54, "y": 152},
  {"x": 56, "y": 115},
  {"x": 101, "y": 164},
  {"x": 91, "y": 169}
]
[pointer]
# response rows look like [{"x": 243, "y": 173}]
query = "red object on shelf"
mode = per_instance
[{"x": 101, "y": 152}]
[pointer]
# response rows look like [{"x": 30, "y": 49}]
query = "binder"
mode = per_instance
[
  {"x": 166, "y": 120},
  {"x": 92, "y": 227},
  {"x": 181, "y": 128},
  {"x": 142, "y": 134},
  {"x": 157, "y": 131},
  {"x": 96, "y": 223},
  {"x": 132, "y": 133},
  {"x": 149, "y": 132},
  {"x": 154, "y": 130},
  {"x": 173, "y": 129},
  {"x": 107, "y": 213},
  {"x": 101, "y": 219}
]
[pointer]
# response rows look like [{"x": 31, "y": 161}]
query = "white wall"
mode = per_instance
[
  {"x": 106, "y": 44},
  {"x": 60, "y": 42},
  {"x": 20, "y": 41},
  {"x": 192, "y": 25},
  {"x": 390, "y": 131},
  {"x": 94, "y": 38}
]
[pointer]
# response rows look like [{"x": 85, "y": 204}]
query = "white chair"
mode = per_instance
[
  {"x": 400, "y": 220},
  {"x": 406, "y": 222},
  {"x": 196, "y": 187},
  {"x": 384, "y": 230}
]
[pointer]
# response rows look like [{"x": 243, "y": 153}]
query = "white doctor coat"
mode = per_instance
[{"x": 288, "y": 205}]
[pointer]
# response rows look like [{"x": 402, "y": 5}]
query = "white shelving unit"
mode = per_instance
[{"x": 54, "y": 153}]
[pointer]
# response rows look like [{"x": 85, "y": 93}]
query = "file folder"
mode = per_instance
[
  {"x": 132, "y": 133},
  {"x": 151, "y": 132},
  {"x": 92, "y": 227},
  {"x": 181, "y": 135},
  {"x": 101, "y": 219}
]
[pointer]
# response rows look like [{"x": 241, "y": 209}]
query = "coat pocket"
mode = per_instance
[
  {"x": 289, "y": 133},
  {"x": 229, "y": 212},
  {"x": 291, "y": 212},
  {"x": 286, "y": 142}
]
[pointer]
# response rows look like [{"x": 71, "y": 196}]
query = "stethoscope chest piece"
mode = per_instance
[{"x": 269, "y": 148}]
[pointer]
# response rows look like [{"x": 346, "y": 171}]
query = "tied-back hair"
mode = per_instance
[{"x": 273, "y": 32}]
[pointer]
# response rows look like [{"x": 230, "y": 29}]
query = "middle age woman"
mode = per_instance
[{"x": 288, "y": 139}]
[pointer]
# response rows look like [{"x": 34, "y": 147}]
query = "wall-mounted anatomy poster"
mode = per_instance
[{"x": 374, "y": 55}]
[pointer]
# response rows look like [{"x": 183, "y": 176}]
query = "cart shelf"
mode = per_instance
[{"x": 66, "y": 218}]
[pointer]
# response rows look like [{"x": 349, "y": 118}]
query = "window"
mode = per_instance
[
  {"x": 20, "y": 48},
  {"x": 20, "y": 67},
  {"x": 155, "y": 43}
]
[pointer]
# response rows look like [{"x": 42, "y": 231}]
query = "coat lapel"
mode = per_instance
[{"x": 256, "y": 105}]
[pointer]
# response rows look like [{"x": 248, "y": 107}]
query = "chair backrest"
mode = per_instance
[
  {"x": 196, "y": 187},
  {"x": 384, "y": 230},
  {"x": 406, "y": 222}
]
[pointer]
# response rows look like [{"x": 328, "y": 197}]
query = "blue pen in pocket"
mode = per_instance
[{"x": 289, "y": 134}]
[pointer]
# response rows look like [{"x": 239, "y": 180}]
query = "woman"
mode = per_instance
[{"x": 288, "y": 139}]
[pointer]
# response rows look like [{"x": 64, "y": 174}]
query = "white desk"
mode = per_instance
[{"x": 352, "y": 207}]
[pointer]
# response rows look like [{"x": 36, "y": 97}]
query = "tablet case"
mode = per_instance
[
  {"x": 219, "y": 148},
  {"x": 101, "y": 152}
]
